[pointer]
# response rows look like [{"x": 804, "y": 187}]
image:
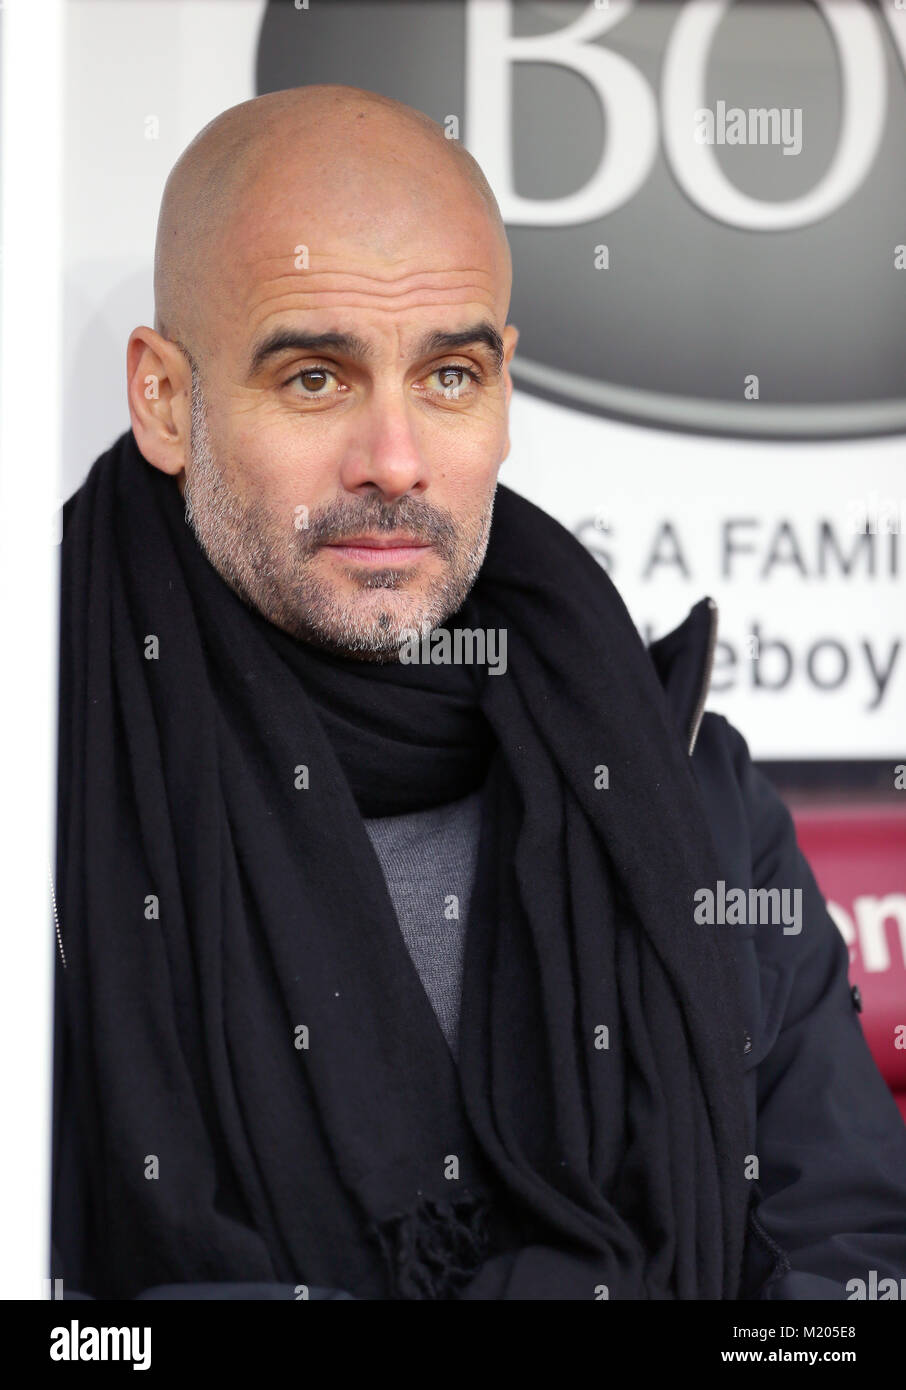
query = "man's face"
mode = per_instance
[{"x": 344, "y": 457}]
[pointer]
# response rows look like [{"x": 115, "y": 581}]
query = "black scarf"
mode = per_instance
[{"x": 220, "y": 1141}]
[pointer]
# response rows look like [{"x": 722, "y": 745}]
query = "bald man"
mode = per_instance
[{"x": 389, "y": 965}]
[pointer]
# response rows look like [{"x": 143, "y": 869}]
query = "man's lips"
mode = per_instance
[{"x": 380, "y": 550}]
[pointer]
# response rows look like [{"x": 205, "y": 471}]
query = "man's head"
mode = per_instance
[{"x": 329, "y": 362}]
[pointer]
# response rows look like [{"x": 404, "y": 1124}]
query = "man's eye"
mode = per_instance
[
  {"x": 312, "y": 381},
  {"x": 456, "y": 381}
]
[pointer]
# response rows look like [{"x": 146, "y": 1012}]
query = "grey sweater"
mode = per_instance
[{"x": 428, "y": 859}]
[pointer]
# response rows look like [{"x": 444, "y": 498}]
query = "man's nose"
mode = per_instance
[{"x": 385, "y": 451}]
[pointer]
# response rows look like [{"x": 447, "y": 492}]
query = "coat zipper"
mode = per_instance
[
  {"x": 706, "y": 679},
  {"x": 56, "y": 919}
]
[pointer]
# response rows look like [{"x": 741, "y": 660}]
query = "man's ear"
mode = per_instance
[
  {"x": 510, "y": 339},
  {"x": 159, "y": 387}
]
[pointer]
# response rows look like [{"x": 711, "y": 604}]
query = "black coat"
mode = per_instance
[
  {"x": 830, "y": 1194},
  {"x": 828, "y": 1135}
]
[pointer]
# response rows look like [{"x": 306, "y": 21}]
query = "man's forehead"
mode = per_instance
[
  {"x": 373, "y": 271},
  {"x": 341, "y": 286}
]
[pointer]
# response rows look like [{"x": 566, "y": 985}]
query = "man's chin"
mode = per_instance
[
  {"x": 374, "y": 626},
  {"x": 379, "y": 648}
]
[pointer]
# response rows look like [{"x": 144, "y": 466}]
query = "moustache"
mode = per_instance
[{"x": 338, "y": 521}]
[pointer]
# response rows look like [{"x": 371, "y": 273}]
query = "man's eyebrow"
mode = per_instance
[
  {"x": 352, "y": 346},
  {"x": 451, "y": 342}
]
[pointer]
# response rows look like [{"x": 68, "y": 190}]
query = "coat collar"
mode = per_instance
[{"x": 684, "y": 660}]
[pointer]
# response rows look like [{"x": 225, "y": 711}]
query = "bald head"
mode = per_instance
[{"x": 370, "y": 168}]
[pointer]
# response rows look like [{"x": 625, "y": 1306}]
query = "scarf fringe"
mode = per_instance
[{"x": 434, "y": 1249}]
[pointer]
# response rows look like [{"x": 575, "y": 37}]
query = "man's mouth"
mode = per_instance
[{"x": 379, "y": 550}]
